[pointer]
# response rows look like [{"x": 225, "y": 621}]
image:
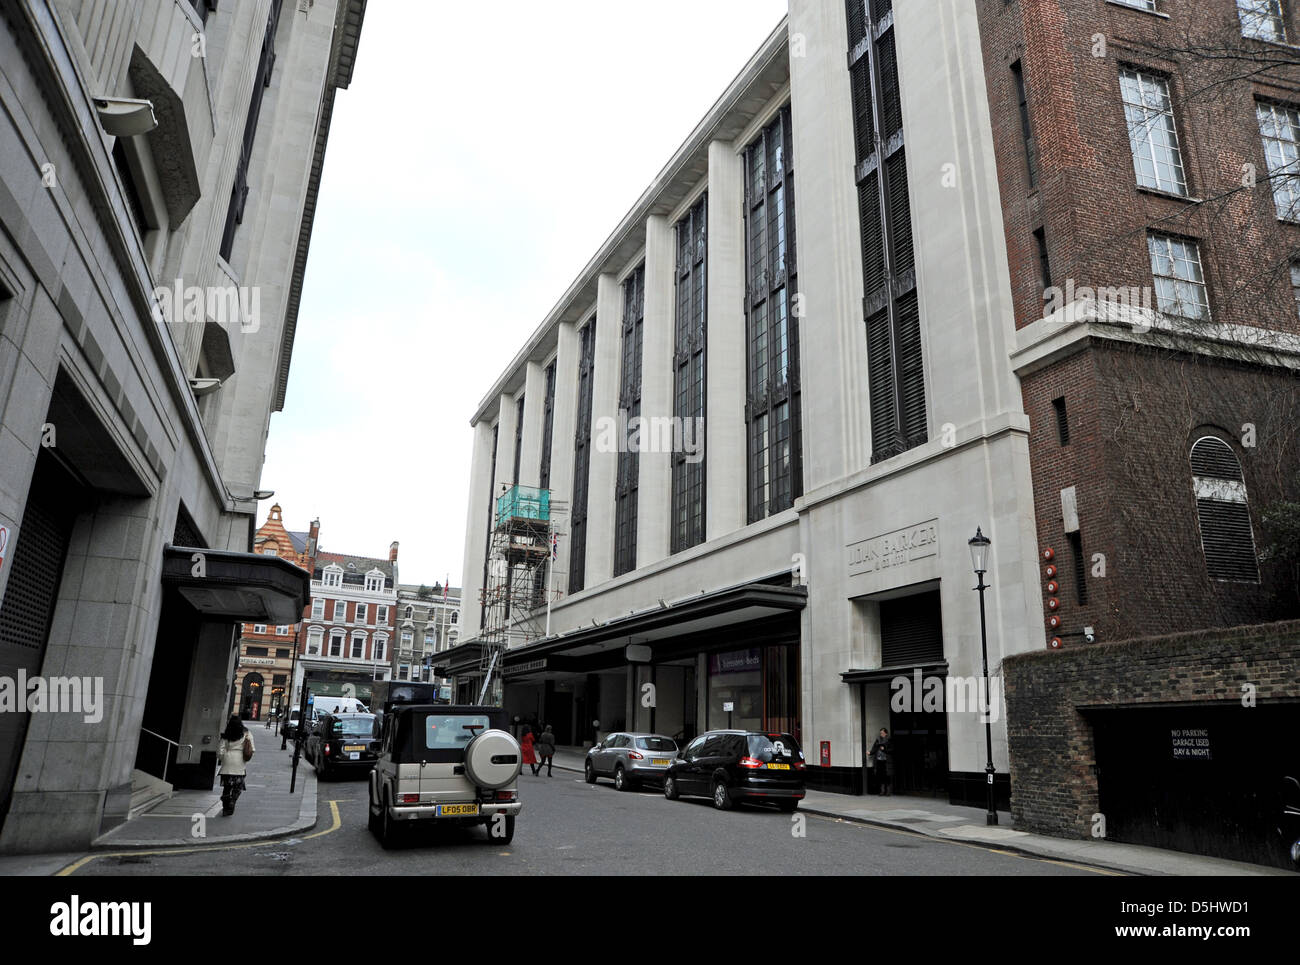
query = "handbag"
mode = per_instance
[{"x": 248, "y": 748}]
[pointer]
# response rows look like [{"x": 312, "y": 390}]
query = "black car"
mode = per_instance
[
  {"x": 730, "y": 766},
  {"x": 343, "y": 742}
]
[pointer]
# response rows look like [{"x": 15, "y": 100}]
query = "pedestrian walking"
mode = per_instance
[
  {"x": 233, "y": 752},
  {"x": 526, "y": 744},
  {"x": 546, "y": 750},
  {"x": 882, "y": 753}
]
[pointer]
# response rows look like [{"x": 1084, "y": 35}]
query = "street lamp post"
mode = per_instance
[{"x": 979, "y": 555}]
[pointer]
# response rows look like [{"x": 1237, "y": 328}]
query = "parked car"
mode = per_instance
[
  {"x": 1289, "y": 826},
  {"x": 731, "y": 766},
  {"x": 444, "y": 764},
  {"x": 630, "y": 759},
  {"x": 343, "y": 742},
  {"x": 289, "y": 727}
]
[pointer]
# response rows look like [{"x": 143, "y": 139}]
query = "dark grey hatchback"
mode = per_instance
[{"x": 731, "y": 766}]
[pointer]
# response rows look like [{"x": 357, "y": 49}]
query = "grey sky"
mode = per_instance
[{"x": 481, "y": 155}]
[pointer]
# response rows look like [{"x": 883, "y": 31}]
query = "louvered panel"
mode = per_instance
[
  {"x": 37, "y": 565},
  {"x": 863, "y": 119},
  {"x": 891, "y": 105},
  {"x": 912, "y": 371},
  {"x": 911, "y": 630},
  {"x": 879, "y": 8},
  {"x": 880, "y": 384},
  {"x": 873, "y": 238},
  {"x": 1215, "y": 458},
  {"x": 1228, "y": 541},
  {"x": 900, "y": 213},
  {"x": 857, "y": 17}
]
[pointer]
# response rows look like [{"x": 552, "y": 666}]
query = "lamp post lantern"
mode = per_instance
[{"x": 979, "y": 556}]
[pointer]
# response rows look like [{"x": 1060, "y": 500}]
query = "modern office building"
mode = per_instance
[
  {"x": 159, "y": 168},
  {"x": 769, "y": 415}
]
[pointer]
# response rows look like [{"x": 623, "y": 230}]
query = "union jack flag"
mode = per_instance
[{"x": 555, "y": 547}]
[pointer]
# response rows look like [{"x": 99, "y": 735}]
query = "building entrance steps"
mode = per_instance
[
  {"x": 936, "y": 818},
  {"x": 265, "y": 810}
]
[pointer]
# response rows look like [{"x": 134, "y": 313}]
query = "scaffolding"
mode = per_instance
[{"x": 519, "y": 557}]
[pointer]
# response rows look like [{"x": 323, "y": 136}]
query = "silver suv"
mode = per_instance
[
  {"x": 445, "y": 764},
  {"x": 630, "y": 759}
]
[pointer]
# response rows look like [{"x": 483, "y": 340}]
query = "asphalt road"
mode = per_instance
[{"x": 570, "y": 827}]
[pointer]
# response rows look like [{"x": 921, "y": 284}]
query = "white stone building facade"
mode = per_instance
[{"x": 807, "y": 560}]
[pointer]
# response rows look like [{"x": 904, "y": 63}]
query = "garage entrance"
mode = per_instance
[{"x": 1207, "y": 779}]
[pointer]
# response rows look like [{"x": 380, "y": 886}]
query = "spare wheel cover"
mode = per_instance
[{"x": 493, "y": 759}]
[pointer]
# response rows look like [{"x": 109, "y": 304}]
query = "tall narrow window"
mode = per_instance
[
  {"x": 548, "y": 423},
  {"x": 1180, "y": 282},
  {"x": 629, "y": 402},
  {"x": 491, "y": 516},
  {"x": 1262, "y": 20},
  {"x": 689, "y": 378},
  {"x": 1026, "y": 129},
  {"x": 239, "y": 189},
  {"x": 895, "y": 369},
  {"x": 1223, "y": 512},
  {"x": 581, "y": 458},
  {"x": 1152, "y": 134},
  {"x": 1280, "y": 129},
  {"x": 1295, "y": 283},
  {"x": 1062, "y": 421},
  {"x": 1079, "y": 566},
  {"x": 1044, "y": 264},
  {"x": 519, "y": 436},
  {"x": 772, "y": 406}
]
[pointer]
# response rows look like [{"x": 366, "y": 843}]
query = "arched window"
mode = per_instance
[
  {"x": 1223, "y": 512},
  {"x": 314, "y": 636},
  {"x": 358, "y": 646},
  {"x": 380, "y": 646},
  {"x": 455, "y": 616},
  {"x": 336, "y": 643},
  {"x": 410, "y": 610}
]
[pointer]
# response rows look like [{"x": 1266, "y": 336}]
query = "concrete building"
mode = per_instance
[
  {"x": 428, "y": 622},
  {"x": 348, "y": 628},
  {"x": 818, "y": 278},
  {"x": 151, "y": 267}
]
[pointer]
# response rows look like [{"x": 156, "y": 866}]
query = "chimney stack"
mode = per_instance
[{"x": 392, "y": 552}]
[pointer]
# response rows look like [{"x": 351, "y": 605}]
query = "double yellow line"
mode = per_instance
[{"x": 77, "y": 865}]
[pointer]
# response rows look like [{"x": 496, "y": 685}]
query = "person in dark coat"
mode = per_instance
[
  {"x": 546, "y": 750},
  {"x": 526, "y": 745},
  {"x": 882, "y": 755}
]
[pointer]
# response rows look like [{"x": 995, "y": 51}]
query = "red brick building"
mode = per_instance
[
  {"x": 1147, "y": 162},
  {"x": 266, "y": 651}
]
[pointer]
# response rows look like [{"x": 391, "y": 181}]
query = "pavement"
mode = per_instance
[{"x": 267, "y": 810}]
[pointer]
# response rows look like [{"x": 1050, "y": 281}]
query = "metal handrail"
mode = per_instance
[{"x": 176, "y": 744}]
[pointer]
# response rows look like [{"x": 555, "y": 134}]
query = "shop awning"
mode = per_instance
[
  {"x": 235, "y": 587},
  {"x": 881, "y": 674},
  {"x": 707, "y": 612}
]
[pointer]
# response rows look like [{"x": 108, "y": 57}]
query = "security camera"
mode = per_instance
[
  {"x": 1089, "y": 636},
  {"x": 125, "y": 116}
]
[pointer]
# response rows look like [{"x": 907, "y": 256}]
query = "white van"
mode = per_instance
[{"x": 337, "y": 705}]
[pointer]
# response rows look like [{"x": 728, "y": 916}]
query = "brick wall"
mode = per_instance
[
  {"x": 1131, "y": 412},
  {"x": 1053, "y": 786}
]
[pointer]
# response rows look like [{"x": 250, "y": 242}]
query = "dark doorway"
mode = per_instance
[
  {"x": 36, "y": 570},
  {"x": 1208, "y": 780},
  {"x": 251, "y": 698},
  {"x": 920, "y": 753},
  {"x": 169, "y": 675}
]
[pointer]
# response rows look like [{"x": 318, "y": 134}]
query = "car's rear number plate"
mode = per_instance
[
  {"x": 660, "y": 761},
  {"x": 779, "y": 767},
  {"x": 354, "y": 747},
  {"x": 456, "y": 810}
]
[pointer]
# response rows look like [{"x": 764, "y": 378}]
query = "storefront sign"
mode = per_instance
[
  {"x": 893, "y": 549},
  {"x": 528, "y": 666},
  {"x": 259, "y": 661},
  {"x": 1191, "y": 743},
  {"x": 737, "y": 661}
]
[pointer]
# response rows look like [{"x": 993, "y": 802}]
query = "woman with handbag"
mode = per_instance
[{"x": 234, "y": 752}]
